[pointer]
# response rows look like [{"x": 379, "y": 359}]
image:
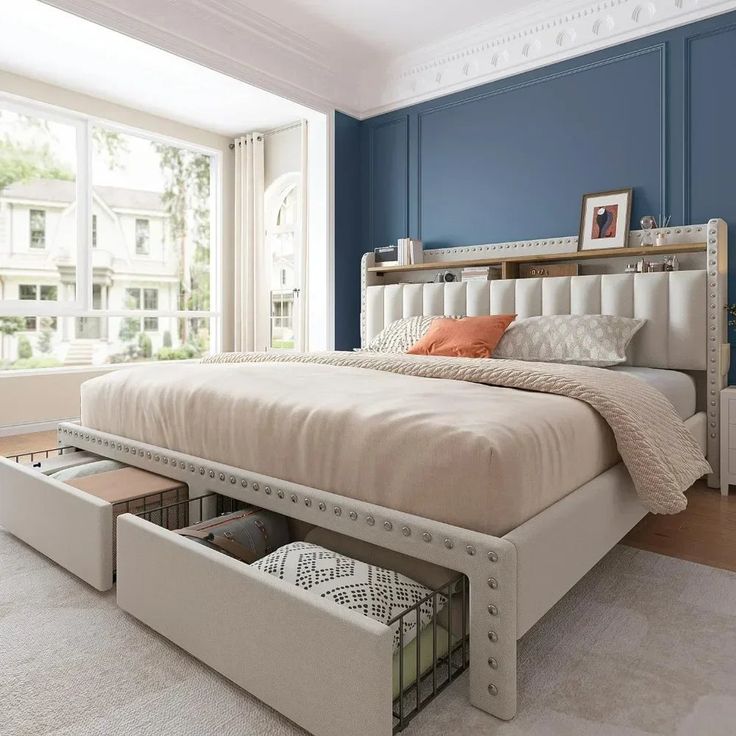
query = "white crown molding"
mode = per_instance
[
  {"x": 524, "y": 41},
  {"x": 230, "y": 37}
]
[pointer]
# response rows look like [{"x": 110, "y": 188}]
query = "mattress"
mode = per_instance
[
  {"x": 678, "y": 387},
  {"x": 481, "y": 457}
]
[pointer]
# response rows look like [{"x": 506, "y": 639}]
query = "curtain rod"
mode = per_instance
[{"x": 283, "y": 128}]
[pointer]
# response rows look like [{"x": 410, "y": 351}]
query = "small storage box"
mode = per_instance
[{"x": 73, "y": 522}]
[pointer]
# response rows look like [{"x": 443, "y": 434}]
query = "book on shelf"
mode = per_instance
[
  {"x": 410, "y": 251},
  {"x": 480, "y": 273}
]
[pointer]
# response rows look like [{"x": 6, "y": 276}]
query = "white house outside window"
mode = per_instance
[{"x": 81, "y": 198}]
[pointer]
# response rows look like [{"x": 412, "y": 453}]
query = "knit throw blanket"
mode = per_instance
[{"x": 660, "y": 453}]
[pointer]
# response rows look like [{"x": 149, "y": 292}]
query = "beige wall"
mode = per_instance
[{"x": 48, "y": 396}]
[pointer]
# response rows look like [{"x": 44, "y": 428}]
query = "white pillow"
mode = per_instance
[
  {"x": 399, "y": 336},
  {"x": 373, "y": 591},
  {"x": 579, "y": 339}
]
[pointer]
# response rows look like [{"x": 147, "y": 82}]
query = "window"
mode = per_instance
[
  {"x": 282, "y": 260},
  {"x": 158, "y": 196},
  {"x": 149, "y": 304},
  {"x": 32, "y": 292},
  {"x": 142, "y": 237},
  {"x": 38, "y": 228}
]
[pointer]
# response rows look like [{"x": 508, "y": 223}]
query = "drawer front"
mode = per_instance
[
  {"x": 324, "y": 667},
  {"x": 71, "y": 527}
]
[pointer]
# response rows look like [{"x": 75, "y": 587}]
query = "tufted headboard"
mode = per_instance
[{"x": 674, "y": 305}]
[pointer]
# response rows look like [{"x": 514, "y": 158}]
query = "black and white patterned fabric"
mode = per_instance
[{"x": 373, "y": 591}]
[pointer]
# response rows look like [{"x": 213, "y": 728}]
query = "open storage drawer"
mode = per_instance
[
  {"x": 72, "y": 527},
  {"x": 326, "y": 667}
]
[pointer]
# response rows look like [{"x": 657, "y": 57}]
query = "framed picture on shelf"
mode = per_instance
[{"x": 604, "y": 220}]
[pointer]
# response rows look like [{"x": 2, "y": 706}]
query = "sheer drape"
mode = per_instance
[{"x": 251, "y": 331}]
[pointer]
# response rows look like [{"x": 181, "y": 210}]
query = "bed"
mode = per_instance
[{"x": 559, "y": 510}]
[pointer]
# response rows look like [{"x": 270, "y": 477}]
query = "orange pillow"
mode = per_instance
[{"x": 469, "y": 337}]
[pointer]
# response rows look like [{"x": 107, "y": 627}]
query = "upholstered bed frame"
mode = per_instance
[{"x": 514, "y": 579}]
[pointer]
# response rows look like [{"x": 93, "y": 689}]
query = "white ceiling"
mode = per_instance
[
  {"x": 387, "y": 28},
  {"x": 47, "y": 44}
]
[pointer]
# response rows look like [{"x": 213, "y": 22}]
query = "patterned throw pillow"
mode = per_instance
[
  {"x": 580, "y": 339},
  {"x": 373, "y": 591},
  {"x": 400, "y": 335}
]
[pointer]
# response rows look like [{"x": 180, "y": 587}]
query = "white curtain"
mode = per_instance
[
  {"x": 303, "y": 326},
  {"x": 249, "y": 237}
]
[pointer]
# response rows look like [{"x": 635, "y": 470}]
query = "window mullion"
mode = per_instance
[{"x": 84, "y": 219}]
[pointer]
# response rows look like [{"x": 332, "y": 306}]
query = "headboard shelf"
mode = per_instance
[{"x": 508, "y": 271}]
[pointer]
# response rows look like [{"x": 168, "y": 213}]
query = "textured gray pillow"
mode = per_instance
[
  {"x": 580, "y": 339},
  {"x": 400, "y": 335}
]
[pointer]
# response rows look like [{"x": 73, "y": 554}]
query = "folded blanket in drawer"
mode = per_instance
[{"x": 373, "y": 591}]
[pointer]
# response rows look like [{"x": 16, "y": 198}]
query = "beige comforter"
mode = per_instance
[
  {"x": 484, "y": 457},
  {"x": 661, "y": 455}
]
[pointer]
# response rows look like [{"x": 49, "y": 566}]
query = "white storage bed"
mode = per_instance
[{"x": 330, "y": 670}]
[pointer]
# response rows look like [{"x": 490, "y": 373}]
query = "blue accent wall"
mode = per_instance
[
  {"x": 511, "y": 160},
  {"x": 349, "y": 242}
]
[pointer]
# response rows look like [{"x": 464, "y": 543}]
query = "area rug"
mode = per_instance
[{"x": 644, "y": 644}]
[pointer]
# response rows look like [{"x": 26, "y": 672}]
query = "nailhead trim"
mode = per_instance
[
  {"x": 493, "y": 610},
  {"x": 493, "y": 663},
  {"x": 493, "y": 636},
  {"x": 493, "y": 557},
  {"x": 492, "y": 689},
  {"x": 492, "y": 583}
]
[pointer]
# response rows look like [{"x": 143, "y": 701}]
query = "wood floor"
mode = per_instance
[{"x": 705, "y": 532}]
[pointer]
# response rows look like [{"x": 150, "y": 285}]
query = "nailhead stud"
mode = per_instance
[
  {"x": 470, "y": 549},
  {"x": 321, "y": 506},
  {"x": 493, "y": 583},
  {"x": 492, "y": 663},
  {"x": 370, "y": 520},
  {"x": 492, "y": 689},
  {"x": 493, "y": 557},
  {"x": 406, "y": 531},
  {"x": 353, "y": 515},
  {"x": 307, "y": 502},
  {"x": 427, "y": 537},
  {"x": 337, "y": 511},
  {"x": 232, "y": 479},
  {"x": 449, "y": 543},
  {"x": 222, "y": 476},
  {"x": 493, "y": 636},
  {"x": 388, "y": 526},
  {"x": 280, "y": 493},
  {"x": 493, "y": 610},
  {"x": 294, "y": 498},
  {"x": 256, "y": 487}
]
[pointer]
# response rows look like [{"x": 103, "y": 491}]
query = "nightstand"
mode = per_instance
[{"x": 728, "y": 438}]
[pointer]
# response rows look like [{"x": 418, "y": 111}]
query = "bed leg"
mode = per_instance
[{"x": 493, "y": 632}]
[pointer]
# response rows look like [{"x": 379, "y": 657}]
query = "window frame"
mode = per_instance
[{"x": 82, "y": 305}]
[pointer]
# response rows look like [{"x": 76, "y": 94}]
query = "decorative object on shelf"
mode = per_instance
[
  {"x": 671, "y": 263},
  {"x": 532, "y": 270},
  {"x": 604, "y": 220},
  {"x": 445, "y": 277},
  {"x": 387, "y": 255},
  {"x": 647, "y": 223},
  {"x": 662, "y": 233}
]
